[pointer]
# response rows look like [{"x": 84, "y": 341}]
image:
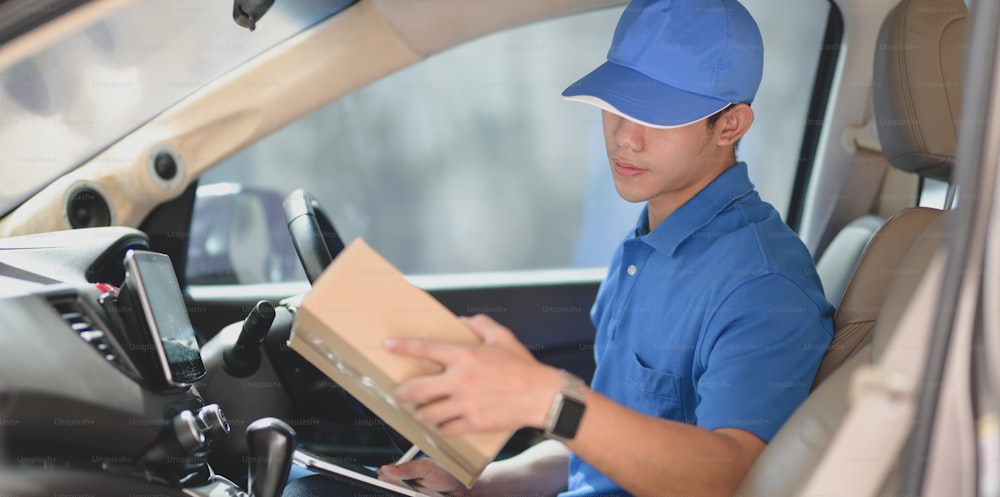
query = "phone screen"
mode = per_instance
[{"x": 151, "y": 276}]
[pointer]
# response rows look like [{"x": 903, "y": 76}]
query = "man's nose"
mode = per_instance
[{"x": 629, "y": 134}]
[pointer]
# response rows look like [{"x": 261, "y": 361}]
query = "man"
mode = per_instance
[{"x": 711, "y": 321}]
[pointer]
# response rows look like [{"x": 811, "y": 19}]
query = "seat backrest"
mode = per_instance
[
  {"x": 879, "y": 264},
  {"x": 840, "y": 258},
  {"x": 916, "y": 92},
  {"x": 793, "y": 453},
  {"x": 926, "y": 150},
  {"x": 917, "y": 95}
]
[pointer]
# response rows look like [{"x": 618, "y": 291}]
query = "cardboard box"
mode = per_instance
[{"x": 358, "y": 302}]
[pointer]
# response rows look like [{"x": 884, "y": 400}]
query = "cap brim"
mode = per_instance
[{"x": 635, "y": 96}]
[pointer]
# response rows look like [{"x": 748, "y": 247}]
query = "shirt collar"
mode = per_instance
[{"x": 733, "y": 184}]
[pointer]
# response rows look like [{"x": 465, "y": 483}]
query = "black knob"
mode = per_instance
[
  {"x": 270, "y": 444},
  {"x": 188, "y": 433},
  {"x": 212, "y": 423},
  {"x": 243, "y": 358}
]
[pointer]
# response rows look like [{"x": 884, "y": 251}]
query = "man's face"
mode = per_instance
[{"x": 648, "y": 163}]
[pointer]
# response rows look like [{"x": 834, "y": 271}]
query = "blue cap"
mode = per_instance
[{"x": 675, "y": 62}]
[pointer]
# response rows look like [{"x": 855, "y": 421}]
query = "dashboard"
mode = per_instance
[
  {"x": 103, "y": 383},
  {"x": 97, "y": 359}
]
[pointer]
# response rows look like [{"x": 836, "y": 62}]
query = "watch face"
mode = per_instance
[{"x": 569, "y": 418}]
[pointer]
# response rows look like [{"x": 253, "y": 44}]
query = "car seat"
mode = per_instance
[
  {"x": 917, "y": 95},
  {"x": 843, "y": 253},
  {"x": 844, "y": 250}
]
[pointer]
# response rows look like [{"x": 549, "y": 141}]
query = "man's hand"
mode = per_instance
[
  {"x": 496, "y": 385},
  {"x": 424, "y": 473}
]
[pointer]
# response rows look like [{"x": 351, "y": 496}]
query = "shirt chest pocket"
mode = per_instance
[{"x": 654, "y": 392}]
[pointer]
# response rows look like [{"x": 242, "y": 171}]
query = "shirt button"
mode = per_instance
[{"x": 631, "y": 270}]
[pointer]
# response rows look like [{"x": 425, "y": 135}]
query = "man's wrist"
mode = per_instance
[{"x": 549, "y": 386}]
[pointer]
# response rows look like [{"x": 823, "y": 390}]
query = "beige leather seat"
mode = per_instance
[
  {"x": 858, "y": 311},
  {"x": 917, "y": 100},
  {"x": 917, "y": 95},
  {"x": 840, "y": 258}
]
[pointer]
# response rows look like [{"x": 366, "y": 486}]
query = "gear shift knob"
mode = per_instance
[{"x": 270, "y": 444}]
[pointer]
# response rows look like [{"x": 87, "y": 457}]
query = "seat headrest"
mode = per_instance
[{"x": 918, "y": 85}]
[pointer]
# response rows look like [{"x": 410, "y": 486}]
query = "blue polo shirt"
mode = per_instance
[{"x": 716, "y": 318}]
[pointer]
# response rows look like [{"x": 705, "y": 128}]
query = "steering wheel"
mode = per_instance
[
  {"x": 316, "y": 241},
  {"x": 313, "y": 235}
]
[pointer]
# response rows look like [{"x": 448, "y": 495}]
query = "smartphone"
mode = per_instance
[{"x": 150, "y": 278}]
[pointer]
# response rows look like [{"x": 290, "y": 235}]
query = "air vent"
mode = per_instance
[
  {"x": 87, "y": 208},
  {"x": 81, "y": 323}
]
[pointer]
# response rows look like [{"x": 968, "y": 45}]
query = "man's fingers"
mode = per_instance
[
  {"x": 442, "y": 353},
  {"x": 455, "y": 427},
  {"x": 489, "y": 330},
  {"x": 413, "y": 470},
  {"x": 437, "y": 413},
  {"x": 386, "y": 476},
  {"x": 423, "y": 389}
]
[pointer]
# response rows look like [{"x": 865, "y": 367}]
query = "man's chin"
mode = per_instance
[{"x": 631, "y": 196}]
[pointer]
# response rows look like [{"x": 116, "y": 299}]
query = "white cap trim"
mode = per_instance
[{"x": 597, "y": 102}]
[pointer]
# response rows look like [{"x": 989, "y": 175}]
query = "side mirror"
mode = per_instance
[{"x": 238, "y": 235}]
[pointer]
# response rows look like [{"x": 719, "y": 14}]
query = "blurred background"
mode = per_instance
[{"x": 469, "y": 161}]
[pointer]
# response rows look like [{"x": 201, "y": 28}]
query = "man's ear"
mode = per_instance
[{"x": 733, "y": 124}]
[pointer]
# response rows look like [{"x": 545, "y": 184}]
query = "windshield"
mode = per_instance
[{"x": 70, "y": 101}]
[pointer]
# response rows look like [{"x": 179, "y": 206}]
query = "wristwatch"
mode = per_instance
[{"x": 567, "y": 408}]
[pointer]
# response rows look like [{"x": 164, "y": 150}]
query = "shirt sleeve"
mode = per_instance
[{"x": 757, "y": 359}]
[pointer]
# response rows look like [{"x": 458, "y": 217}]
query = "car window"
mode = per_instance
[
  {"x": 470, "y": 161},
  {"x": 100, "y": 83}
]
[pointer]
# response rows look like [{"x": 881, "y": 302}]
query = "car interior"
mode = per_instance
[
  {"x": 167, "y": 389},
  {"x": 898, "y": 254}
]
